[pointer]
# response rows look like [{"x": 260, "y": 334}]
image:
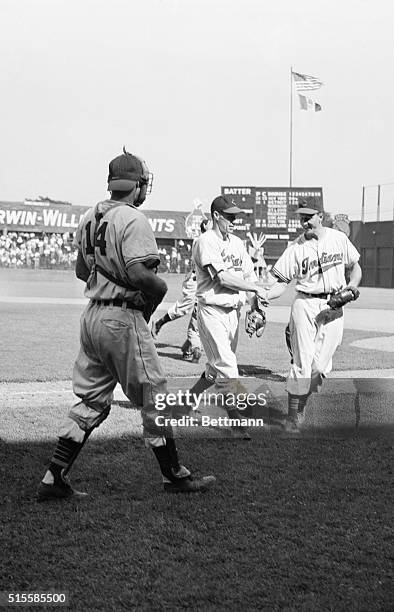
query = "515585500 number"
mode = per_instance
[{"x": 31, "y": 598}]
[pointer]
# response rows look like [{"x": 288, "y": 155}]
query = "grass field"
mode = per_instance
[
  {"x": 293, "y": 524},
  {"x": 41, "y": 343}
]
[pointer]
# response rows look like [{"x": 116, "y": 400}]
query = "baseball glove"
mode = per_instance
[
  {"x": 255, "y": 319},
  {"x": 346, "y": 295}
]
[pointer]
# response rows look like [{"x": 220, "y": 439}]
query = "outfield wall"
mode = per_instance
[{"x": 375, "y": 242}]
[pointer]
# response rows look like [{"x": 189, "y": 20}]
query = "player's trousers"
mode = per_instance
[
  {"x": 313, "y": 343},
  {"x": 183, "y": 306},
  {"x": 186, "y": 303},
  {"x": 116, "y": 347},
  {"x": 193, "y": 334},
  {"x": 218, "y": 329}
]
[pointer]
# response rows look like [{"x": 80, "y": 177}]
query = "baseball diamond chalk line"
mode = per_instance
[{"x": 63, "y": 387}]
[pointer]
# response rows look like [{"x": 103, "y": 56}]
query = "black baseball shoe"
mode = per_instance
[
  {"x": 192, "y": 355},
  {"x": 62, "y": 490},
  {"x": 186, "y": 485},
  {"x": 196, "y": 355}
]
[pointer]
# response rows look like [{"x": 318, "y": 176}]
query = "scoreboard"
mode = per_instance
[{"x": 271, "y": 210}]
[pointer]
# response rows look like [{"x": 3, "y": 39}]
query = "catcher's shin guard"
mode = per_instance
[
  {"x": 63, "y": 457},
  {"x": 67, "y": 449},
  {"x": 76, "y": 452},
  {"x": 167, "y": 458}
]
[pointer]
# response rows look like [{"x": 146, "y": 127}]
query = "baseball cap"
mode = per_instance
[
  {"x": 223, "y": 204},
  {"x": 126, "y": 170},
  {"x": 309, "y": 208}
]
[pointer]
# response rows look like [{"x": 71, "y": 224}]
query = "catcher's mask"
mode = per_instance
[{"x": 127, "y": 171}]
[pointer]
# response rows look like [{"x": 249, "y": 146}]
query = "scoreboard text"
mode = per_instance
[{"x": 272, "y": 211}]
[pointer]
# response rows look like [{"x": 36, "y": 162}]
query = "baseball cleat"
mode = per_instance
[
  {"x": 196, "y": 354},
  {"x": 240, "y": 433},
  {"x": 190, "y": 486},
  {"x": 301, "y": 416},
  {"x": 291, "y": 426},
  {"x": 47, "y": 492}
]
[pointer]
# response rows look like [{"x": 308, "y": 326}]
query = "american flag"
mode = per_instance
[{"x": 305, "y": 82}]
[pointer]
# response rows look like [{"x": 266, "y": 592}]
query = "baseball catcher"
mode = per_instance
[
  {"x": 117, "y": 260},
  {"x": 255, "y": 319}
]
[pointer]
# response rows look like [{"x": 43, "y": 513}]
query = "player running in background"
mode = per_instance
[
  {"x": 191, "y": 348},
  {"x": 317, "y": 260},
  {"x": 118, "y": 259}
]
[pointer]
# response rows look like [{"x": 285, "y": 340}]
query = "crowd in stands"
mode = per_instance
[
  {"x": 29, "y": 250},
  {"x": 46, "y": 251}
]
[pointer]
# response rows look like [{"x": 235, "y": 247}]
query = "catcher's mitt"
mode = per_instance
[
  {"x": 255, "y": 321},
  {"x": 346, "y": 295}
]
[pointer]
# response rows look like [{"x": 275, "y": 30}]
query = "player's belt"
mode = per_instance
[
  {"x": 120, "y": 303},
  {"x": 322, "y": 296}
]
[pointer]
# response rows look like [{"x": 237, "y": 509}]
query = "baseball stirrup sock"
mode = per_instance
[
  {"x": 293, "y": 405},
  {"x": 172, "y": 450},
  {"x": 296, "y": 404},
  {"x": 202, "y": 384}
]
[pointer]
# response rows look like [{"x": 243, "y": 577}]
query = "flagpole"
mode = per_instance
[{"x": 291, "y": 127}]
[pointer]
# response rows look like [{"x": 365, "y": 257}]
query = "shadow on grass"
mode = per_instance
[
  {"x": 324, "y": 504},
  {"x": 260, "y": 372},
  {"x": 174, "y": 356}
]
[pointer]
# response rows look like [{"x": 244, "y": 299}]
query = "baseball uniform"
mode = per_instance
[
  {"x": 191, "y": 348},
  {"x": 318, "y": 266},
  {"x": 115, "y": 341},
  {"x": 219, "y": 308},
  {"x": 123, "y": 347}
]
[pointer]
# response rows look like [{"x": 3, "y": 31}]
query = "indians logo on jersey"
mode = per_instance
[
  {"x": 318, "y": 266},
  {"x": 233, "y": 261}
]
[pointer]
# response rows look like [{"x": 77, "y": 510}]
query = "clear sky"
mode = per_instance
[{"x": 201, "y": 90}]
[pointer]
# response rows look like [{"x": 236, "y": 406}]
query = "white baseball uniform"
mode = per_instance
[
  {"x": 219, "y": 308},
  {"x": 319, "y": 269}
]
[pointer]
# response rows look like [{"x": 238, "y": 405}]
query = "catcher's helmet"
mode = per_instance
[{"x": 127, "y": 170}]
